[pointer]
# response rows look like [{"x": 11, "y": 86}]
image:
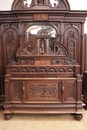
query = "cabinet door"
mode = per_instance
[
  {"x": 43, "y": 91},
  {"x": 68, "y": 90}
]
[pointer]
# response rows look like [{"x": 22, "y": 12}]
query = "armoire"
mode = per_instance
[{"x": 42, "y": 58}]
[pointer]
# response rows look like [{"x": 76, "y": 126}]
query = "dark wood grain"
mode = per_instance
[{"x": 41, "y": 74}]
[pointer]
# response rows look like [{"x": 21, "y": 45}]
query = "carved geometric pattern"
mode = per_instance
[{"x": 17, "y": 90}]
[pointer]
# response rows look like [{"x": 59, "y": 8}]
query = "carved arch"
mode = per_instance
[
  {"x": 18, "y": 5},
  {"x": 72, "y": 42},
  {"x": 61, "y": 51},
  {"x": 28, "y": 49},
  {"x": 39, "y": 23}
]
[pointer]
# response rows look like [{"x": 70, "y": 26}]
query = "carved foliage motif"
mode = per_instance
[
  {"x": 26, "y": 4},
  {"x": 31, "y": 48},
  {"x": 71, "y": 39},
  {"x": 10, "y": 39},
  {"x": 42, "y": 90}
]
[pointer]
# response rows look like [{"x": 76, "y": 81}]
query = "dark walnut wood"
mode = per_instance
[
  {"x": 85, "y": 89},
  {"x": 8, "y": 116},
  {"x": 41, "y": 62},
  {"x": 78, "y": 117}
]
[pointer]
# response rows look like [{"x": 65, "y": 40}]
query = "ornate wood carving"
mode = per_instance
[
  {"x": 16, "y": 90},
  {"x": 42, "y": 69},
  {"x": 43, "y": 91},
  {"x": 71, "y": 44},
  {"x": 42, "y": 44},
  {"x": 41, "y": 17},
  {"x": 18, "y": 86},
  {"x": 33, "y": 4},
  {"x": 10, "y": 38}
]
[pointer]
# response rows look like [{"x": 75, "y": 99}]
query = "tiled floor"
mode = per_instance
[{"x": 43, "y": 122}]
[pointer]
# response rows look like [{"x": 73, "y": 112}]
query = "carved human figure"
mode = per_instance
[
  {"x": 42, "y": 46},
  {"x": 40, "y": 2}
]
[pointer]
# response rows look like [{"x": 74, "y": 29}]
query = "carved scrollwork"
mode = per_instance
[
  {"x": 26, "y": 4},
  {"x": 71, "y": 44},
  {"x": 70, "y": 61},
  {"x": 59, "y": 49},
  {"x": 48, "y": 90}
]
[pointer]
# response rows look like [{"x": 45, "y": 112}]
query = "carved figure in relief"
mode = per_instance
[
  {"x": 40, "y": 2},
  {"x": 42, "y": 46}
]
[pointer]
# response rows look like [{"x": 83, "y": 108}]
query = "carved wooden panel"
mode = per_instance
[
  {"x": 40, "y": 17},
  {"x": 10, "y": 45},
  {"x": 41, "y": 91},
  {"x": 70, "y": 90},
  {"x": 72, "y": 43},
  {"x": 42, "y": 62},
  {"x": 16, "y": 90}
]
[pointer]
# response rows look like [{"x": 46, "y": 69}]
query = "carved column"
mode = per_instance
[
  {"x": 61, "y": 32},
  {"x": 78, "y": 94},
  {"x": 1, "y": 75},
  {"x": 20, "y": 32},
  {"x": 83, "y": 50}
]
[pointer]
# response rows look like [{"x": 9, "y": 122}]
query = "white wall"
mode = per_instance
[{"x": 75, "y": 5}]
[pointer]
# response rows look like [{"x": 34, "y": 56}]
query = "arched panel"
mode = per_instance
[
  {"x": 10, "y": 45},
  {"x": 71, "y": 42},
  {"x": 33, "y": 4}
]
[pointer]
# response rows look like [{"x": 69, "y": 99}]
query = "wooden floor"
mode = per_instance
[{"x": 43, "y": 122}]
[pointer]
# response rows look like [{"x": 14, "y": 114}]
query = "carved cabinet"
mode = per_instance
[{"x": 42, "y": 66}]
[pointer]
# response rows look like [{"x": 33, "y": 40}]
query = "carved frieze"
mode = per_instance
[{"x": 39, "y": 70}]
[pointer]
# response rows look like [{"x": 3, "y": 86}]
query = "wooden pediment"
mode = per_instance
[
  {"x": 40, "y": 4},
  {"x": 34, "y": 49}
]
